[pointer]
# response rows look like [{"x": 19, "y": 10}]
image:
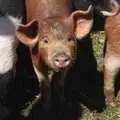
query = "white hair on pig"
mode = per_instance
[{"x": 8, "y": 42}]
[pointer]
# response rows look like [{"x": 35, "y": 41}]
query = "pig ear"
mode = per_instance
[
  {"x": 82, "y": 22},
  {"x": 28, "y": 33}
]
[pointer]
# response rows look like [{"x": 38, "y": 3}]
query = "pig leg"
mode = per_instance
[
  {"x": 46, "y": 91},
  {"x": 111, "y": 67},
  {"x": 25, "y": 112},
  {"x": 45, "y": 94},
  {"x": 58, "y": 97}
]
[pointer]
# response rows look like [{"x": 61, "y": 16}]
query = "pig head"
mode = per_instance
[{"x": 52, "y": 41}]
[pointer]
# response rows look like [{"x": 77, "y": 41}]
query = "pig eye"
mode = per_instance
[{"x": 45, "y": 39}]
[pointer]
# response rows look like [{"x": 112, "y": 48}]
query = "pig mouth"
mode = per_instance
[{"x": 61, "y": 61}]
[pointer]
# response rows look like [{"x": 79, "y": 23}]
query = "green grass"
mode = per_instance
[
  {"x": 109, "y": 113},
  {"x": 98, "y": 44}
]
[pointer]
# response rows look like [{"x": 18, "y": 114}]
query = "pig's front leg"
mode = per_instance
[
  {"x": 46, "y": 90},
  {"x": 46, "y": 96},
  {"x": 46, "y": 104},
  {"x": 111, "y": 68},
  {"x": 43, "y": 93},
  {"x": 25, "y": 112},
  {"x": 58, "y": 98}
]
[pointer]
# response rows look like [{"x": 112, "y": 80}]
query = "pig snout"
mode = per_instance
[{"x": 61, "y": 60}]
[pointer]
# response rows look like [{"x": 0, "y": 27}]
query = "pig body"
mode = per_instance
[
  {"x": 112, "y": 54},
  {"x": 8, "y": 44},
  {"x": 51, "y": 34}
]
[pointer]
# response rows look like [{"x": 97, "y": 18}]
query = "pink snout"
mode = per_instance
[{"x": 62, "y": 61}]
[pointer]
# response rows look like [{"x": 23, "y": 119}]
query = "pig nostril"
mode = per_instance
[
  {"x": 57, "y": 60},
  {"x": 62, "y": 59},
  {"x": 67, "y": 59}
]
